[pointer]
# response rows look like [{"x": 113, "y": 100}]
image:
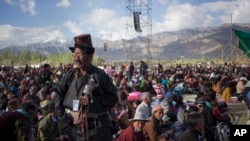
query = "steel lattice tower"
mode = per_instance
[{"x": 144, "y": 8}]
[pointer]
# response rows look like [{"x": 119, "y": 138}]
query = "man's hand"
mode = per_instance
[{"x": 85, "y": 100}]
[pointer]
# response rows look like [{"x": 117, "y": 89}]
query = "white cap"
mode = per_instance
[
  {"x": 243, "y": 78},
  {"x": 139, "y": 116}
]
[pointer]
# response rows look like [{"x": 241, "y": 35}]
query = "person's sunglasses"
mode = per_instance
[{"x": 201, "y": 106}]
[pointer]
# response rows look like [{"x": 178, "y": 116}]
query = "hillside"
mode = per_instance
[{"x": 206, "y": 42}]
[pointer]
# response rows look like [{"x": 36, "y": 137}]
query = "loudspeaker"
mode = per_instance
[
  {"x": 105, "y": 46},
  {"x": 137, "y": 21}
]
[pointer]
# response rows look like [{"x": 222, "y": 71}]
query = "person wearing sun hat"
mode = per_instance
[
  {"x": 134, "y": 131},
  {"x": 49, "y": 128},
  {"x": 240, "y": 86},
  {"x": 86, "y": 91},
  {"x": 151, "y": 129}
]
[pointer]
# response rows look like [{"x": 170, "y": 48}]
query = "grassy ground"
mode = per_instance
[{"x": 237, "y": 109}]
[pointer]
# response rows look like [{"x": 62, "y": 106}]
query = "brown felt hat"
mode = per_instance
[{"x": 84, "y": 43}]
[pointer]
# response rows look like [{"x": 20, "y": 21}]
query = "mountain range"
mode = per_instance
[{"x": 192, "y": 43}]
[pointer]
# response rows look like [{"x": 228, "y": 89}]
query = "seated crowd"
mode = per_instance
[{"x": 151, "y": 106}]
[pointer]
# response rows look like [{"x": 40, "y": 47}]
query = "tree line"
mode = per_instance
[{"x": 21, "y": 58}]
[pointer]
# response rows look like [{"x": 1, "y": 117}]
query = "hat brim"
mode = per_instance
[
  {"x": 131, "y": 120},
  {"x": 72, "y": 49},
  {"x": 85, "y": 49},
  {"x": 200, "y": 102},
  {"x": 165, "y": 117}
]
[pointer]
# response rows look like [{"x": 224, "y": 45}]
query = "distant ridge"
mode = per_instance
[{"x": 193, "y": 43}]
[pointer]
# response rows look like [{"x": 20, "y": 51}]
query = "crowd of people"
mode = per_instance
[
  {"x": 129, "y": 103},
  {"x": 166, "y": 88}
]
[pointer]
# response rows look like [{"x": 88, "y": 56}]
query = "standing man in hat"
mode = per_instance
[
  {"x": 86, "y": 93},
  {"x": 131, "y": 69}
]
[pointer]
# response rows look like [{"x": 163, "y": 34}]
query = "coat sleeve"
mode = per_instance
[
  {"x": 61, "y": 89},
  {"x": 107, "y": 90},
  {"x": 44, "y": 129}
]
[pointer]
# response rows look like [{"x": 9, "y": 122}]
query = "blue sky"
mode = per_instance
[{"x": 29, "y": 21}]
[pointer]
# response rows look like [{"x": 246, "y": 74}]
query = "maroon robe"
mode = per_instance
[{"x": 129, "y": 134}]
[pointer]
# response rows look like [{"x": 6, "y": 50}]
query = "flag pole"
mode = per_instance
[{"x": 231, "y": 38}]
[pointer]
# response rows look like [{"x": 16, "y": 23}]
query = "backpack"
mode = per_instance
[{"x": 222, "y": 131}]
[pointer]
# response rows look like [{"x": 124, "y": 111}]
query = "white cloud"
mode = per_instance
[
  {"x": 89, "y": 3},
  {"x": 222, "y": 11},
  {"x": 178, "y": 16},
  {"x": 241, "y": 12},
  {"x": 73, "y": 27},
  {"x": 25, "y": 5},
  {"x": 22, "y": 36},
  {"x": 9, "y": 1},
  {"x": 106, "y": 21},
  {"x": 184, "y": 15},
  {"x": 63, "y": 3},
  {"x": 98, "y": 16},
  {"x": 28, "y": 6},
  {"x": 163, "y": 2}
]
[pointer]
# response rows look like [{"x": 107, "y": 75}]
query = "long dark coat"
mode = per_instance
[{"x": 105, "y": 97}]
